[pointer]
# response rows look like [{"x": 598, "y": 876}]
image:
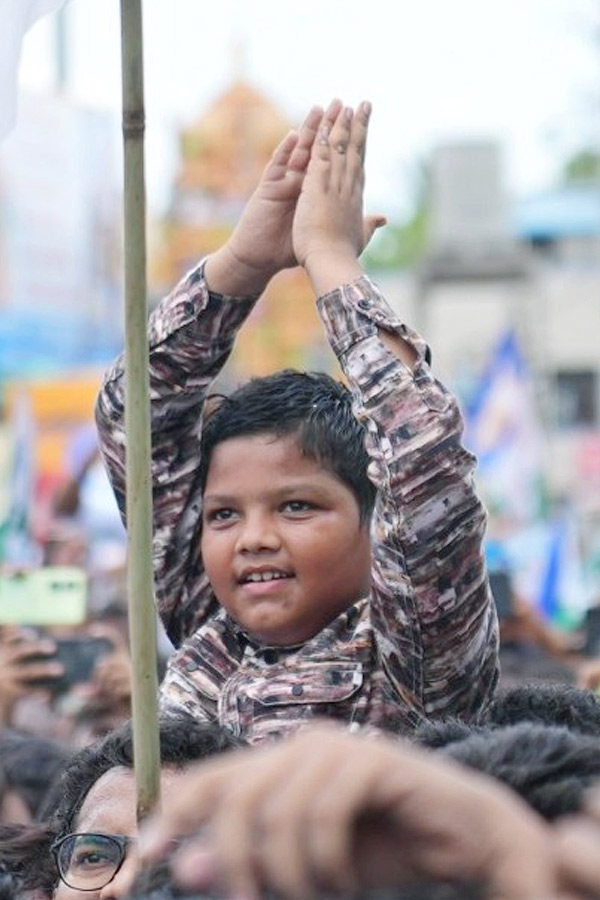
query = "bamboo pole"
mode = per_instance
[{"x": 142, "y": 620}]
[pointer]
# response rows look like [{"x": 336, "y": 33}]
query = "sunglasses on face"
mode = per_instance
[{"x": 88, "y": 861}]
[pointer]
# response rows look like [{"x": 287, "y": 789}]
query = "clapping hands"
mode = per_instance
[{"x": 306, "y": 207}]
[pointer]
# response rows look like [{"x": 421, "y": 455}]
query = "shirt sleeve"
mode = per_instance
[
  {"x": 191, "y": 335},
  {"x": 431, "y": 606}
]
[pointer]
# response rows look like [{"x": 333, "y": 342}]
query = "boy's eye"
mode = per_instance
[
  {"x": 296, "y": 506},
  {"x": 219, "y": 515}
]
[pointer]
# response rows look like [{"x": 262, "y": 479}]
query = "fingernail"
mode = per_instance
[
  {"x": 348, "y": 113},
  {"x": 366, "y": 109},
  {"x": 324, "y": 134}
]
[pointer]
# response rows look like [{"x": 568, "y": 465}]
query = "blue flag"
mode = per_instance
[{"x": 503, "y": 430}]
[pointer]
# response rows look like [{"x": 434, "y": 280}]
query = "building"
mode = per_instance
[
  {"x": 530, "y": 267},
  {"x": 59, "y": 239}
]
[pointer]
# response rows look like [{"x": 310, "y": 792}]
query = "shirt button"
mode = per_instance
[
  {"x": 270, "y": 657},
  {"x": 191, "y": 667},
  {"x": 297, "y": 690},
  {"x": 364, "y": 304}
]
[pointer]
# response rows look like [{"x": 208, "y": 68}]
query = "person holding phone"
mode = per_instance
[
  {"x": 26, "y": 658},
  {"x": 73, "y": 685}
]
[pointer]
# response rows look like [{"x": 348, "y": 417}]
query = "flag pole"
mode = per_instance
[{"x": 142, "y": 622}]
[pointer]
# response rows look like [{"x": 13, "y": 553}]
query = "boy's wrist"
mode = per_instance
[
  {"x": 328, "y": 270},
  {"x": 225, "y": 273}
]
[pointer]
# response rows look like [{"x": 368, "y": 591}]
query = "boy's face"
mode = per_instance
[{"x": 282, "y": 542}]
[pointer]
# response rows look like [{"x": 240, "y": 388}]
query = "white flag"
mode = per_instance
[{"x": 17, "y": 17}]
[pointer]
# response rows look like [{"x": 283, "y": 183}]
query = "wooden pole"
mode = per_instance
[{"x": 142, "y": 619}]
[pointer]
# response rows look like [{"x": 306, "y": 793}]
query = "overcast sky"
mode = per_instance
[{"x": 524, "y": 71}]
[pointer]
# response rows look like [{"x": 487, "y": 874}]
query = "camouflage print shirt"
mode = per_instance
[{"x": 424, "y": 643}]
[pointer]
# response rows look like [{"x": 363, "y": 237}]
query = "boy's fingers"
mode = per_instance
[
  {"x": 359, "y": 129},
  {"x": 370, "y": 226},
  {"x": 332, "y": 112},
  {"x": 284, "y": 150},
  {"x": 332, "y": 145},
  {"x": 320, "y": 148},
  {"x": 339, "y": 138},
  {"x": 306, "y": 138}
]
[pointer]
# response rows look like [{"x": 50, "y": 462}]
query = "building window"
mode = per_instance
[{"x": 577, "y": 398}]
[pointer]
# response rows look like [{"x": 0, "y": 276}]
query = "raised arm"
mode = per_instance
[
  {"x": 431, "y": 606},
  {"x": 191, "y": 335}
]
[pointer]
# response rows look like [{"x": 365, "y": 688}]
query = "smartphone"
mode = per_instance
[
  {"x": 591, "y": 646},
  {"x": 78, "y": 656},
  {"x": 51, "y": 595},
  {"x": 503, "y": 594}
]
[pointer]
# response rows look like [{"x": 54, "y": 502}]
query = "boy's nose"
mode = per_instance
[{"x": 257, "y": 533}]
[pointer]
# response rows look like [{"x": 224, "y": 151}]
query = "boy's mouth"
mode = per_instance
[{"x": 252, "y": 576}]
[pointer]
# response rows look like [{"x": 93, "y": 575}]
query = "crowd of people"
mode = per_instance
[{"x": 320, "y": 573}]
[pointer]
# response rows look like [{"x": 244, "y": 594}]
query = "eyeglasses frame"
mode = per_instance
[{"x": 122, "y": 841}]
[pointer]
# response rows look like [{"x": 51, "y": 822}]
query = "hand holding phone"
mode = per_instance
[
  {"x": 26, "y": 659},
  {"x": 78, "y": 656}
]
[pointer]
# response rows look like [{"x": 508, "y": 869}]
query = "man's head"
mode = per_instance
[
  {"x": 546, "y": 704},
  {"x": 286, "y": 506},
  {"x": 96, "y": 797},
  {"x": 182, "y": 738},
  {"x": 29, "y": 765},
  {"x": 550, "y": 767}
]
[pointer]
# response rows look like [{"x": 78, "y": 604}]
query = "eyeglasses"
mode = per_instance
[{"x": 89, "y": 861}]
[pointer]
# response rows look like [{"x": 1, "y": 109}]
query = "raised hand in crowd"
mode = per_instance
[
  {"x": 326, "y": 811},
  {"x": 261, "y": 244},
  {"x": 112, "y": 674},
  {"x": 329, "y": 229}
]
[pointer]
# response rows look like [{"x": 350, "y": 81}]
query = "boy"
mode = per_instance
[{"x": 286, "y": 597}]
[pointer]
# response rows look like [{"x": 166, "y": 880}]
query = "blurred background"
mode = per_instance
[{"x": 484, "y": 154}]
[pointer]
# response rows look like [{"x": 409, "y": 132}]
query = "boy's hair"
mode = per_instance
[{"x": 314, "y": 408}]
